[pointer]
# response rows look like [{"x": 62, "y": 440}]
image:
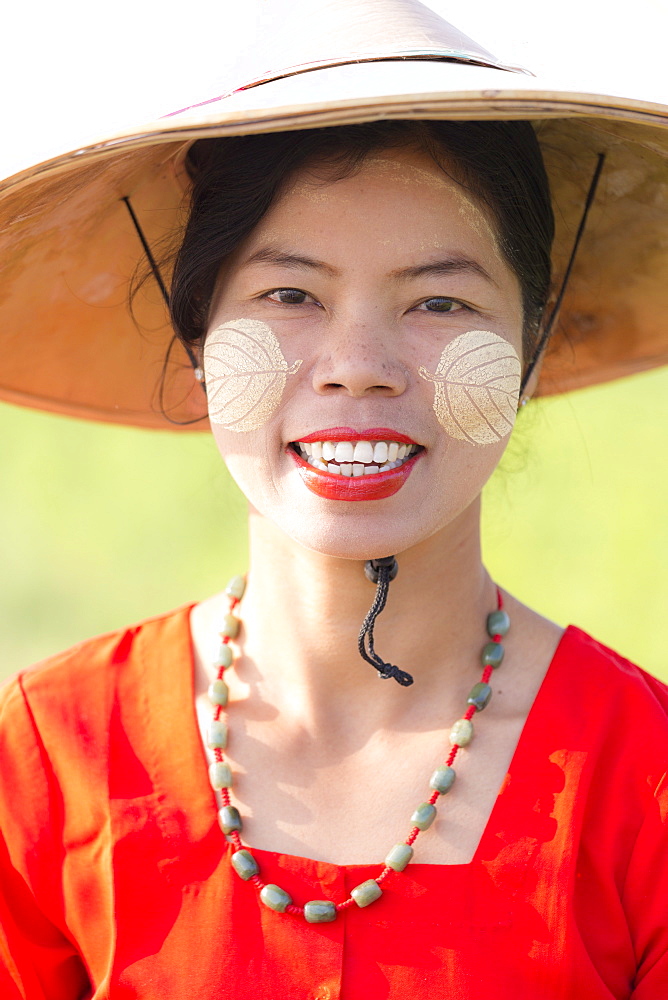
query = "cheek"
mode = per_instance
[
  {"x": 246, "y": 457},
  {"x": 476, "y": 387},
  {"x": 245, "y": 374}
]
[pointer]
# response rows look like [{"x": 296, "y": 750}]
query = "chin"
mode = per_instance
[
  {"x": 355, "y": 531},
  {"x": 358, "y": 537}
]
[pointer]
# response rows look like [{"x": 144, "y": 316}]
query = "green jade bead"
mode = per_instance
[
  {"x": 218, "y": 692},
  {"x": 461, "y": 733},
  {"x": 492, "y": 654},
  {"x": 236, "y": 587},
  {"x": 319, "y": 911},
  {"x": 225, "y": 657},
  {"x": 399, "y": 857},
  {"x": 244, "y": 864},
  {"x": 443, "y": 779},
  {"x": 424, "y": 816},
  {"x": 220, "y": 775},
  {"x": 230, "y": 627},
  {"x": 229, "y": 819},
  {"x": 367, "y": 892},
  {"x": 479, "y": 696},
  {"x": 216, "y": 735},
  {"x": 275, "y": 898},
  {"x": 498, "y": 623}
]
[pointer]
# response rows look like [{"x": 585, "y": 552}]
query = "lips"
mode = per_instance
[
  {"x": 343, "y": 464},
  {"x": 348, "y": 434}
]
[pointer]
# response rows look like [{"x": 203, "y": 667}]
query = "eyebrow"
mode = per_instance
[
  {"x": 273, "y": 255},
  {"x": 456, "y": 264},
  {"x": 442, "y": 268}
]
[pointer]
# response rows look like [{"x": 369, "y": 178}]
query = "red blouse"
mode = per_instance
[{"x": 115, "y": 880}]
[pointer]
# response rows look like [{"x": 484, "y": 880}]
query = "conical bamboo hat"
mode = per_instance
[{"x": 68, "y": 248}]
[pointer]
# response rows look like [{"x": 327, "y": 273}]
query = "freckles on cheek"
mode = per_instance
[
  {"x": 476, "y": 387},
  {"x": 245, "y": 374}
]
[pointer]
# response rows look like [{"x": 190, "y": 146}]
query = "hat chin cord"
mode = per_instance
[
  {"x": 547, "y": 330},
  {"x": 155, "y": 271},
  {"x": 381, "y": 572},
  {"x": 540, "y": 346}
]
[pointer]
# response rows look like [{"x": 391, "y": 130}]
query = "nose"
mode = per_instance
[{"x": 359, "y": 360}]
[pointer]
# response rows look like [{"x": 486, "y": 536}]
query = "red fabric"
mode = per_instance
[{"x": 115, "y": 880}]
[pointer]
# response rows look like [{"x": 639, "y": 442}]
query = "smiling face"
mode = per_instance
[{"x": 366, "y": 321}]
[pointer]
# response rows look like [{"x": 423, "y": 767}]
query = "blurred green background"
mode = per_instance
[{"x": 104, "y": 525}]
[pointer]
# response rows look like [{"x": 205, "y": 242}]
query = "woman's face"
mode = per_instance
[{"x": 365, "y": 322}]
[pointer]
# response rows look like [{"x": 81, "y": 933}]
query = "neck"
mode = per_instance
[{"x": 302, "y": 613}]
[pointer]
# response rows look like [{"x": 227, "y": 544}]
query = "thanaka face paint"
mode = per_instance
[
  {"x": 385, "y": 166},
  {"x": 476, "y": 387},
  {"x": 245, "y": 373}
]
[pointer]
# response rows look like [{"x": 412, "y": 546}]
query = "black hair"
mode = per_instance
[{"x": 235, "y": 181}]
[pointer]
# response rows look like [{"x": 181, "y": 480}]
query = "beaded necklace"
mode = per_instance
[{"x": 220, "y": 774}]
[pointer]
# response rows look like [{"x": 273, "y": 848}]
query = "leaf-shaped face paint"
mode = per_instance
[
  {"x": 245, "y": 374},
  {"x": 476, "y": 387}
]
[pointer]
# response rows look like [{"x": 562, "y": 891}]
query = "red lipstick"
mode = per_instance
[
  {"x": 348, "y": 434},
  {"x": 377, "y": 486}
]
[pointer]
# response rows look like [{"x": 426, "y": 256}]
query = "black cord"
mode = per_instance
[
  {"x": 591, "y": 193},
  {"x": 161, "y": 285},
  {"x": 380, "y": 572}
]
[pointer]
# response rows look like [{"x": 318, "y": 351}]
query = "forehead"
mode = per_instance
[
  {"x": 394, "y": 194},
  {"x": 401, "y": 168}
]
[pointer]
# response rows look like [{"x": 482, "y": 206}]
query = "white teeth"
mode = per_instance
[
  {"x": 344, "y": 451},
  {"x": 355, "y": 458},
  {"x": 363, "y": 452}
]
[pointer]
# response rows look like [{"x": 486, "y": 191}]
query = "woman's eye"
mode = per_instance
[
  {"x": 440, "y": 304},
  {"x": 288, "y": 296}
]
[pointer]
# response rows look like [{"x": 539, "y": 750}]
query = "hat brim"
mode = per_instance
[{"x": 73, "y": 345}]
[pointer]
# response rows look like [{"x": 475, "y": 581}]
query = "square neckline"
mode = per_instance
[{"x": 532, "y": 721}]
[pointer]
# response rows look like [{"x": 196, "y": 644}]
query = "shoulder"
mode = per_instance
[
  {"x": 616, "y": 714},
  {"x": 596, "y": 666},
  {"x": 66, "y": 702},
  {"x": 82, "y": 664},
  {"x": 75, "y": 723},
  {"x": 603, "y": 721},
  {"x": 612, "y": 723}
]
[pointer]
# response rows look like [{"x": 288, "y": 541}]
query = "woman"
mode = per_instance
[{"x": 366, "y": 308}]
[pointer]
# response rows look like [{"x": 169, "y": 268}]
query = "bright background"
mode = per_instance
[
  {"x": 104, "y": 525},
  {"x": 74, "y": 71}
]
